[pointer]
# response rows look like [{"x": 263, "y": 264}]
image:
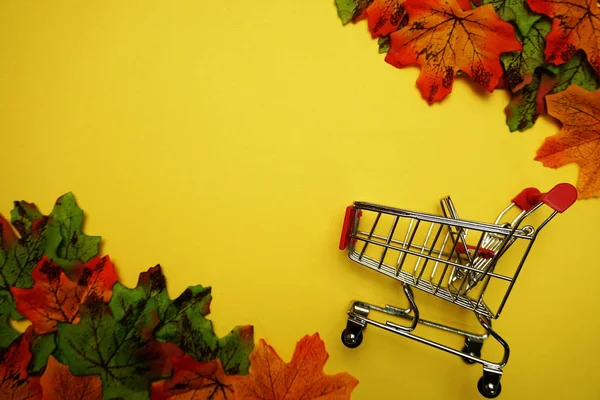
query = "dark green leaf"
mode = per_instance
[
  {"x": 121, "y": 351},
  {"x": 351, "y": 10},
  {"x": 67, "y": 244},
  {"x": 519, "y": 66},
  {"x": 521, "y": 111},
  {"x": 7, "y": 310},
  {"x": 384, "y": 44},
  {"x": 41, "y": 348}
]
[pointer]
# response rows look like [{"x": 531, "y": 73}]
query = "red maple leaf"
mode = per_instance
[
  {"x": 443, "y": 40},
  {"x": 575, "y": 25},
  {"x": 579, "y": 140},
  {"x": 302, "y": 378},
  {"x": 58, "y": 383},
  {"x": 15, "y": 384},
  {"x": 194, "y": 380},
  {"x": 56, "y": 298}
]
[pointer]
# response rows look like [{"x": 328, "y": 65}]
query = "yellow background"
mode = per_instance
[{"x": 223, "y": 140}]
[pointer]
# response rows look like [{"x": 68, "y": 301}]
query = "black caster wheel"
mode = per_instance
[
  {"x": 348, "y": 342},
  {"x": 472, "y": 347},
  {"x": 488, "y": 389}
]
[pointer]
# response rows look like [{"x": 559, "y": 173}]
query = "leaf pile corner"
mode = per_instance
[
  {"x": 538, "y": 47},
  {"x": 91, "y": 337}
]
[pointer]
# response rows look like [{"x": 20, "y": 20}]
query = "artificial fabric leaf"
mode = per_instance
[
  {"x": 385, "y": 16},
  {"x": 195, "y": 336},
  {"x": 58, "y": 383},
  {"x": 121, "y": 351},
  {"x": 521, "y": 111},
  {"x": 181, "y": 321},
  {"x": 302, "y": 378},
  {"x": 56, "y": 298},
  {"x": 67, "y": 244},
  {"x": 575, "y": 26},
  {"x": 7, "y": 309},
  {"x": 528, "y": 103},
  {"x": 15, "y": 383},
  {"x": 515, "y": 11},
  {"x": 579, "y": 139},
  {"x": 352, "y": 10},
  {"x": 41, "y": 347},
  {"x": 443, "y": 40},
  {"x": 521, "y": 65},
  {"x": 384, "y": 44},
  {"x": 18, "y": 256},
  {"x": 194, "y": 380}
]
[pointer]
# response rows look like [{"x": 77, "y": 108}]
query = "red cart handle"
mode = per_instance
[
  {"x": 559, "y": 198},
  {"x": 347, "y": 227}
]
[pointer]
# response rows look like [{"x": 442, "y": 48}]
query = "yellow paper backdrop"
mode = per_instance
[{"x": 223, "y": 140}]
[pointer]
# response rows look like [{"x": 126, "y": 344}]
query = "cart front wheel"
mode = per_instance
[
  {"x": 489, "y": 389},
  {"x": 350, "y": 340}
]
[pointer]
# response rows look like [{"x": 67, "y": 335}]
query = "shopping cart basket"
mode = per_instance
[{"x": 453, "y": 259}]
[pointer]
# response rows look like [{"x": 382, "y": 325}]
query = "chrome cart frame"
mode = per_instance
[{"x": 432, "y": 253}]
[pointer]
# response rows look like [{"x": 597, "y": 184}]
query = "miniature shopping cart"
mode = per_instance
[{"x": 456, "y": 260}]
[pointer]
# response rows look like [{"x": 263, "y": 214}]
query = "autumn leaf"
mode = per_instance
[
  {"x": 67, "y": 244},
  {"x": 56, "y": 298},
  {"x": 194, "y": 380},
  {"x": 579, "y": 139},
  {"x": 521, "y": 65},
  {"x": 58, "y": 383},
  {"x": 352, "y": 10},
  {"x": 121, "y": 351},
  {"x": 515, "y": 11},
  {"x": 18, "y": 256},
  {"x": 528, "y": 103},
  {"x": 302, "y": 378},
  {"x": 575, "y": 25},
  {"x": 182, "y": 322},
  {"x": 41, "y": 347},
  {"x": 15, "y": 383},
  {"x": 384, "y": 44},
  {"x": 443, "y": 40}
]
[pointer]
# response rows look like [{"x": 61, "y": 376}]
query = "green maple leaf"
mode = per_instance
[
  {"x": 18, "y": 256},
  {"x": 351, "y": 10},
  {"x": 67, "y": 244},
  {"x": 519, "y": 66},
  {"x": 121, "y": 351},
  {"x": 384, "y": 44},
  {"x": 515, "y": 11},
  {"x": 528, "y": 103},
  {"x": 41, "y": 348},
  {"x": 182, "y": 321}
]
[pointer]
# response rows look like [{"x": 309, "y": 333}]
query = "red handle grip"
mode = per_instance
[{"x": 559, "y": 198}]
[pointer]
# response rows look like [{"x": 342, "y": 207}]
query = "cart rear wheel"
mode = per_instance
[
  {"x": 488, "y": 389},
  {"x": 352, "y": 341},
  {"x": 473, "y": 348}
]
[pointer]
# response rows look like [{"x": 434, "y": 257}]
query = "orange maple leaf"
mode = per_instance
[
  {"x": 443, "y": 39},
  {"x": 575, "y": 25},
  {"x": 55, "y": 298},
  {"x": 58, "y": 383},
  {"x": 194, "y": 380},
  {"x": 579, "y": 140},
  {"x": 302, "y": 378}
]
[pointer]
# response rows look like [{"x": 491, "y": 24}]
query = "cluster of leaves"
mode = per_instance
[
  {"x": 534, "y": 48},
  {"x": 91, "y": 337}
]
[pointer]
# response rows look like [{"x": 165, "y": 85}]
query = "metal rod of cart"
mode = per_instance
[{"x": 450, "y": 258}]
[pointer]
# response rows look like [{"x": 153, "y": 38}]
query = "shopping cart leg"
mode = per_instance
[
  {"x": 352, "y": 336},
  {"x": 473, "y": 347}
]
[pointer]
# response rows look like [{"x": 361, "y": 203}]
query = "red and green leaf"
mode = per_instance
[
  {"x": 527, "y": 104},
  {"x": 56, "y": 298},
  {"x": 15, "y": 383},
  {"x": 515, "y": 11},
  {"x": 195, "y": 380},
  {"x": 575, "y": 26},
  {"x": 521, "y": 65},
  {"x": 443, "y": 40},
  {"x": 302, "y": 378},
  {"x": 579, "y": 139},
  {"x": 58, "y": 383}
]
